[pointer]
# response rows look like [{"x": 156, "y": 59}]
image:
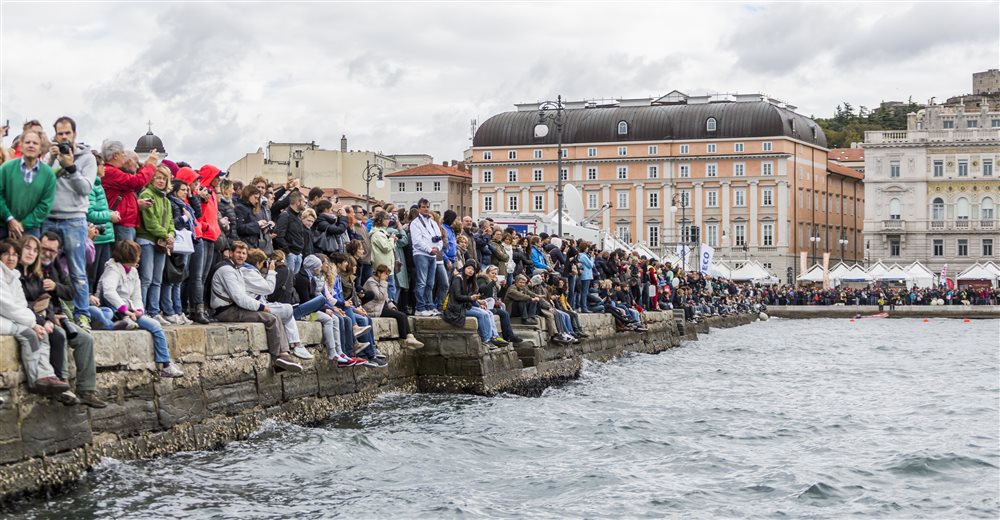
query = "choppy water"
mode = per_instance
[{"x": 800, "y": 419}]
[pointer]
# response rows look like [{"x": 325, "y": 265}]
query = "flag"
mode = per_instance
[
  {"x": 826, "y": 270},
  {"x": 803, "y": 267},
  {"x": 944, "y": 275},
  {"x": 707, "y": 252},
  {"x": 683, "y": 252}
]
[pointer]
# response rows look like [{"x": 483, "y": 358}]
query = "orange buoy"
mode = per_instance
[
  {"x": 926, "y": 320},
  {"x": 852, "y": 320},
  {"x": 966, "y": 320}
]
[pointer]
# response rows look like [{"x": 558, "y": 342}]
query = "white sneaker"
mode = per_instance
[
  {"x": 434, "y": 312},
  {"x": 422, "y": 313},
  {"x": 173, "y": 319},
  {"x": 161, "y": 320},
  {"x": 361, "y": 331},
  {"x": 183, "y": 320},
  {"x": 171, "y": 370},
  {"x": 358, "y": 347},
  {"x": 130, "y": 324},
  {"x": 301, "y": 352}
]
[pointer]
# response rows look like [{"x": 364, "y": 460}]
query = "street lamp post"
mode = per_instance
[
  {"x": 542, "y": 130},
  {"x": 843, "y": 244},
  {"x": 815, "y": 239},
  {"x": 370, "y": 173},
  {"x": 675, "y": 202}
]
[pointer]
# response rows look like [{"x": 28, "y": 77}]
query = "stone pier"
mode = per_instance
[{"x": 228, "y": 388}]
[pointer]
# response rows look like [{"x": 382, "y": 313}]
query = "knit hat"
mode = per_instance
[
  {"x": 311, "y": 263},
  {"x": 171, "y": 165},
  {"x": 537, "y": 280}
]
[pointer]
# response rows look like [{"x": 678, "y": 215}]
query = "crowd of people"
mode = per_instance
[{"x": 105, "y": 239}]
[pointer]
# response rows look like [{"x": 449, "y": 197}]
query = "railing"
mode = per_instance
[
  {"x": 937, "y": 224},
  {"x": 893, "y": 224},
  {"x": 931, "y": 136},
  {"x": 962, "y": 224},
  {"x": 896, "y": 225},
  {"x": 985, "y": 224}
]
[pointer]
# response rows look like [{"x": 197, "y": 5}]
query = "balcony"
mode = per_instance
[
  {"x": 890, "y": 137},
  {"x": 893, "y": 224},
  {"x": 936, "y": 225}
]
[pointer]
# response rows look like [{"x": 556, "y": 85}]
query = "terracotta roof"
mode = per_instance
[
  {"x": 847, "y": 154},
  {"x": 833, "y": 167},
  {"x": 431, "y": 170}
]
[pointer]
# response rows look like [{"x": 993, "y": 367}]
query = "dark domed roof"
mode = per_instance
[
  {"x": 148, "y": 143},
  {"x": 653, "y": 123}
]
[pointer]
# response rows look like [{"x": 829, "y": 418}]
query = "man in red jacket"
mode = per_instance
[{"x": 120, "y": 186}]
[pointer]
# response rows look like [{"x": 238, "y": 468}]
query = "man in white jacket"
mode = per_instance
[
  {"x": 259, "y": 277},
  {"x": 231, "y": 303}
]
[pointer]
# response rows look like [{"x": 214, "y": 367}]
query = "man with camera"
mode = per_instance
[
  {"x": 426, "y": 237},
  {"x": 27, "y": 190}
]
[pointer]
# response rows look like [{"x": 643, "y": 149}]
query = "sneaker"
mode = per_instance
[
  {"x": 130, "y": 324},
  {"x": 492, "y": 346},
  {"x": 284, "y": 362},
  {"x": 379, "y": 355},
  {"x": 412, "y": 343},
  {"x": 171, "y": 371},
  {"x": 358, "y": 347},
  {"x": 90, "y": 399},
  {"x": 84, "y": 323},
  {"x": 422, "y": 313},
  {"x": 300, "y": 352},
  {"x": 500, "y": 342},
  {"x": 434, "y": 312},
  {"x": 68, "y": 398},
  {"x": 50, "y": 385},
  {"x": 529, "y": 321},
  {"x": 161, "y": 320},
  {"x": 185, "y": 320},
  {"x": 516, "y": 340},
  {"x": 375, "y": 363},
  {"x": 172, "y": 319},
  {"x": 361, "y": 331}
]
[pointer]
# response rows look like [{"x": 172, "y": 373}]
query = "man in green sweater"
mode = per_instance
[{"x": 27, "y": 189}]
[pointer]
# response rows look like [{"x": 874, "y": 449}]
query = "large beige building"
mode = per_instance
[
  {"x": 445, "y": 187},
  {"x": 750, "y": 175},
  {"x": 316, "y": 166}
]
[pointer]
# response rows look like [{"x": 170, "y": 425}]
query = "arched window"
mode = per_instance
[
  {"x": 937, "y": 209},
  {"x": 622, "y": 128},
  {"x": 895, "y": 209},
  {"x": 962, "y": 209},
  {"x": 986, "y": 208},
  {"x": 710, "y": 124}
]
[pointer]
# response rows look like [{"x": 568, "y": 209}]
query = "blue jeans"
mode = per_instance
[
  {"x": 161, "y": 354},
  {"x": 74, "y": 244},
  {"x": 581, "y": 297},
  {"x": 440, "y": 286},
  {"x": 425, "y": 267},
  {"x": 484, "y": 320},
  {"x": 571, "y": 290},
  {"x": 392, "y": 287},
  {"x": 102, "y": 318},
  {"x": 314, "y": 305},
  {"x": 170, "y": 295},
  {"x": 369, "y": 336},
  {"x": 194, "y": 286},
  {"x": 124, "y": 233},
  {"x": 294, "y": 263},
  {"x": 347, "y": 340},
  {"x": 151, "y": 276}
]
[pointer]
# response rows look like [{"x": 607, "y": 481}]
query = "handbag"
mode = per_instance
[
  {"x": 173, "y": 270},
  {"x": 184, "y": 242}
]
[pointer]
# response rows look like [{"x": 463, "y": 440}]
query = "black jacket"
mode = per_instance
[
  {"x": 291, "y": 233},
  {"x": 459, "y": 300},
  {"x": 332, "y": 226},
  {"x": 284, "y": 287}
]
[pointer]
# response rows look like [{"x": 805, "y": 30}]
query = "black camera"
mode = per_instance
[
  {"x": 436, "y": 238},
  {"x": 65, "y": 148},
  {"x": 100, "y": 228}
]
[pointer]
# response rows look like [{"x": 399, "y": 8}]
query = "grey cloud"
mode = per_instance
[
  {"x": 372, "y": 69},
  {"x": 781, "y": 37}
]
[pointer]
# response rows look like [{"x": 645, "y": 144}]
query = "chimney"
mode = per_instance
[
  {"x": 343, "y": 144},
  {"x": 444, "y": 163},
  {"x": 454, "y": 163}
]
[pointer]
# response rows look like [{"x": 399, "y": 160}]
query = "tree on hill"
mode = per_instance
[{"x": 847, "y": 126}]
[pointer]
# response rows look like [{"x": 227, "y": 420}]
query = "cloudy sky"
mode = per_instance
[{"x": 219, "y": 80}]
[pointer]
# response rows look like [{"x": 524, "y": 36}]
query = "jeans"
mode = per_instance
[
  {"x": 392, "y": 287},
  {"x": 369, "y": 336},
  {"x": 286, "y": 314},
  {"x": 314, "y": 305},
  {"x": 170, "y": 295},
  {"x": 194, "y": 286},
  {"x": 331, "y": 334},
  {"x": 581, "y": 297},
  {"x": 440, "y": 286},
  {"x": 160, "y": 352},
  {"x": 346, "y": 328},
  {"x": 505, "y": 328},
  {"x": 151, "y": 276},
  {"x": 101, "y": 318},
  {"x": 124, "y": 233},
  {"x": 484, "y": 320},
  {"x": 102, "y": 252},
  {"x": 364, "y": 273},
  {"x": 74, "y": 244},
  {"x": 425, "y": 267},
  {"x": 294, "y": 263},
  {"x": 571, "y": 290}
]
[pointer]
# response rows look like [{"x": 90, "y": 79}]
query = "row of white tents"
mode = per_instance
[{"x": 912, "y": 275}]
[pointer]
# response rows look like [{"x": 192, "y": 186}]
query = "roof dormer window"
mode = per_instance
[
  {"x": 622, "y": 128},
  {"x": 710, "y": 124}
]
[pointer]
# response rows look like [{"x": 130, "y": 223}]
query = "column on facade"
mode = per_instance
[
  {"x": 752, "y": 225},
  {"x": 606, "y": 218},
  {"x": 696, "y": 203},
  {"x": 783, "y": 229},
  {"x": 499, "y": 199},
  {"x": 725, "y": 226},
  {"x": 668, "y": 219},
  {"x": 640, "y": 204},
  {"x": 475, "y": 204},
  {"x": 550, "y": 198},
  {"x": 524, "y": 206}
]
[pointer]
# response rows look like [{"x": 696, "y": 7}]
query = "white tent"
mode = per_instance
[
  {"x": 839, "y": 270},
  {"x": 876, "y": 271},
  {"x": 993, "y": 267},
  {"x": 895, "y": 273},
  {"x": 719, "y": 270},
  {"x": 856, "y": 274},
  {"x": 921, "y": 275},
  {"x": 980, "y": 272},
  {"x": 752, "y": 271},
  {"x": 814, "y": 275}
]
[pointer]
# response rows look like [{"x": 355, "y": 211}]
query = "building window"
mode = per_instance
[
  {"x": 402, "y": 186},
  {"x": 511, "y": 175},
  {"x": 767, "y": 197},
  {"x": 685, "y": 170},
  {"x": 565, "y": 153},
  {"x": 971, "y": 123},
  {"x": 738, "y": 147},
  {"x": 512, "y": 154},
  {"x": 591, "y": 200},
  {"x": 512, "y": 203},
  {"x": 622, "y": 128},
  {"x": 622, "y": 200},
  {"x": 962, "y": 209},
  {"x": 536, "y": 174},
  {"x": 963, "y": 247},
  {"x": 437, "y": 185},
  {"x": 739, "y": 198},
  {"x": 653, "y": 172},
  {"x": 937, "y": 209},
  {"x": 739, "y": 169},
  {"x": 767, "y": 234},
  {"x": 939, "y": 168},
  {"x": 947, "y": 124},
  {"x": 711, "y": 170},
  {"x": 894, "y": 246},
  {"x": 895, "y": 209},
  {"x": 487, "y": 155},
  {"x": 623, "y": 172},
  {"x": 711, "y": 147},
  {"x": 740, "y": 234},
  {"x": 712, "y": 199},
  {"x": 987, "y": 167},
  {"x": 591, "y": 152},
  {"x": 623, "y": 233},
  {"x": 712, "y": 234},
  {"x": 654, "y": 236},
  {"x": 487, "y": 176},
  {"x": 652, "y": 149},
  {"x": 654, "y": 199},
  {"x": 710, "y": 124},
  {"x": 963, "y": 168},
  {"x": 538, "y": 203},
  {"x": 487, "y": 202},
  {"x": 419, "y": 186},
  {"x": 766, "y": 146},
  {"x": 894, "y": 169},
  {"x": 986, "y": 208},
  {"x": 591, "y": 174},
  {"x": 995, "y": 123},
  {"x": 564, "y": 174},
  {"x": 766, "y": 168},
  {"x": 622, "y": 151},
  {"x": 938, "y": 247},
  {"x": 987, "y": 247},
  {"x": 537, "y": 154},
  {"x": 685, "y": 149},
  {"x": 685, "y": 198}
]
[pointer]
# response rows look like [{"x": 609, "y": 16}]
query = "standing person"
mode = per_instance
[
  {"x": 290, "y": 233},
  {"x": 400, "y": 227},
  {"x": 253, "y": 222},
  {"x": 208, "y": 222},
  {"x": 100, "y": 215},
  {"x": 184, "y": 221},
  {"x": 27, "y": 190},
  {"x": 330, "y": 230},
  {"x": 384, "y": 249},
  {"x": 586, "y": 276},
  {"x": 156, "y": 237},
  {"x": 120, "y": 186},
  {"x": 193, "y": 287},
  {"x": 425, "y": 235},
  {"x": 360, "y": 230},
  {"x": 227, "y": 213}
]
